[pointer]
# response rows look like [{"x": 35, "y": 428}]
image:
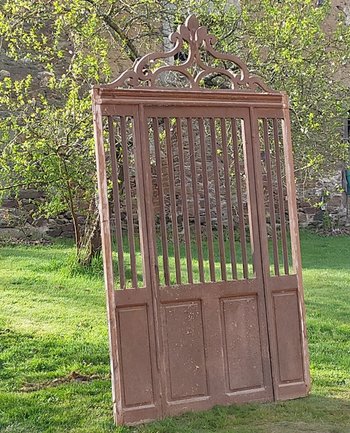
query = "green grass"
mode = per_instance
[
  {"x": 53, "y": 323},
  {"x": 183, "y": 261}
]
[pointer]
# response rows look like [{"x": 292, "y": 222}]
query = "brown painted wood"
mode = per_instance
[
  {"x": 214, "y": 155},
  {"x": 228, "y": 193},
  {"x": 148, "y": 237},
  {"x": 214, "y": 303},
  {"x": 258, "y": 192},
  {"x": 165, "y": 97},
  {"x": 173, "y": 201},
  {"x": 260, "y": 205},
  {"x": 116, "y": 203},
  {"x": 271, "y": 199},
  {"x": 287, "y": 338},
  {"x": 192, "y": 345},
  {"x": 128, "y": 199},
  {"x": 282, "y": 210},
  {"x": 204, "y": 169},
  {"x": 163, "y": 227},
  {"x": 185, "y": 217},
  {"x": 107, "y": 259},
  {"x": 241, "y": 219},
  {"x": 294, "y": 232},
  {"x": 195, "y": 199}
]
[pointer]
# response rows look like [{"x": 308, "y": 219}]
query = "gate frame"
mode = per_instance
[{"x": 107, "y": 97}]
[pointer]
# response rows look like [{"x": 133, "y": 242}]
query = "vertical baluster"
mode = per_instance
[
  {"x": 173, "y": 201},
  {"x": 281, "y": 198},
  {"x": 206, "y": 198},
  {"x": 128, "y": 199},
  {"x": 163, "y": 227},
  {"x": 186, "y": 223},
  {"x": 116, "y": 202},
  {"x": 214, "y": 152},
  {"x": 228, "y": 200},
  {"x": 195, "y": 199},
  {"x": 242, "y": 233}
]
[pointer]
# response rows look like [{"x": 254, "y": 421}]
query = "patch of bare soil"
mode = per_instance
[{"x": 72, "y": 377}]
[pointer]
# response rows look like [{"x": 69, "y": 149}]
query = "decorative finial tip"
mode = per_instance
[{"x": 192, "y": 22}]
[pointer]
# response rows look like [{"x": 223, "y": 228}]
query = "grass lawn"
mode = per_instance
[{"x": 54, "y": 362}]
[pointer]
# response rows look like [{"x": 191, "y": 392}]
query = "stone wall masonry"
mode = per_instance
[
  {"x": 322, "y": 205},
  {"x": 18, "y": 221}
]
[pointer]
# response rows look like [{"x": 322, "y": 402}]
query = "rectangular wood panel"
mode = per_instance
[
  {"x": 288, "y": 335},
  {"x": 134, "y": 343},
  {"x": 242, "y": 343},
  {"x": 187, "y": 376}
]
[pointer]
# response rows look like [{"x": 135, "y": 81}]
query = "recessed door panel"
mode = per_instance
[
  {"x": 288, "y": 335},
  {"x": 184, "y": 340},
  {"x": 136, "y": 366},
  {"x": 242, "y": 343}
]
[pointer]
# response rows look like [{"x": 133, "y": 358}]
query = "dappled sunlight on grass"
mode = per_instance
[{"x": 53, "y": 332}]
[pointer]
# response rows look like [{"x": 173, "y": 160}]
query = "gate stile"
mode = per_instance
[{"x": 201, "y": 249}]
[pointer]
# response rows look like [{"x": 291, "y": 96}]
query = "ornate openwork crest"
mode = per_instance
[{"x": 194, "y": 62}]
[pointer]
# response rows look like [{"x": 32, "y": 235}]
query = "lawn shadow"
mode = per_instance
[
  {"x": 319, "y": 252},
  {"x": 86, "y": 407},
  {"x": 313, "y": 414},
  {"x": 28, "y": 359}
]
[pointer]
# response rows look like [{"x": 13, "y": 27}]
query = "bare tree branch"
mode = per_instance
[{"x": 119, "y": 33}]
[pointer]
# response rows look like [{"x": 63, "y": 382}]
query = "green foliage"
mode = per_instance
[
  {"x": 300, "y": 49},
  {"x": 46, "y": 138},
  {"x": 53, "y": 324},
  {"x": 295, "y": 48}
]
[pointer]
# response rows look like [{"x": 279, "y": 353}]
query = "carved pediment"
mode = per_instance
[{"x": 192, "y": 63}]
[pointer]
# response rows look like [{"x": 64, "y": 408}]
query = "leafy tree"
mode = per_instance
[
  {"x": 295, "y": 47},
  {"x": 46, "y": 136}
]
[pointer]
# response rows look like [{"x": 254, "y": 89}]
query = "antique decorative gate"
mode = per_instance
[{"x": 200, "y": 236}]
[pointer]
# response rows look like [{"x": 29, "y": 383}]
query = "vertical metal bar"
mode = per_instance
[
  {"x": 206, "y": 198},
  {"x": 195, "y": 199},
  {"x": 228, "y": 200},
  {"x": 116, "y": 202},
  {"x": 242, "y": 233},
  {"x": 281, "y": 198},
  {"x": 128, "y": 199},
  {"x": 184, "y": 201},
  {"x": 163, "y": 227},
  {"x": 214, "y": 153},
  {"x": 107, "y": 255},
  {"x": 271, "y": 198},
  {"x": 173, "y": 201}
]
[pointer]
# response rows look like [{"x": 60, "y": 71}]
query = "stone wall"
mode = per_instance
[
  {"x": 18, "y": 220},
  {"x": 324, "y": 204},
  {"x": 321, "y": 205}
]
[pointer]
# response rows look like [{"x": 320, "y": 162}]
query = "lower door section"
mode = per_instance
[
  {"x": 215, "y": 346},
  {"x": 287, "y": 338},
  {"x": 136, "y": 377}
]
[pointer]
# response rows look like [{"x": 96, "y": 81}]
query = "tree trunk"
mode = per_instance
[{"x": 91, "y": 243}]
